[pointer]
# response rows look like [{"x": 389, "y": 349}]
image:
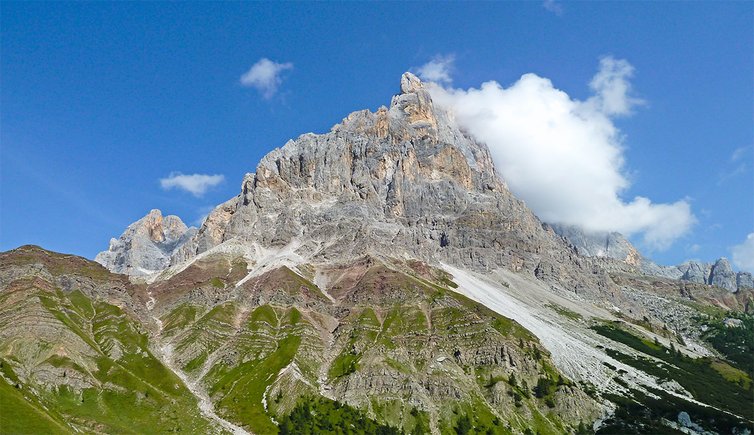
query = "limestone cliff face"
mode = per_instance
[
  {"x": 403, "y": 181},
  {"x": 146, "y": 245}
]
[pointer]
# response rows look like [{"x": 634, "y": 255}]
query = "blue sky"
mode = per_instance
[{"x": 99, "y": 101}]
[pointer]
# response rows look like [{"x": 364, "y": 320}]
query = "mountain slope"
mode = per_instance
[
  {"x": 388, "y": 336},
  {"x": 74, "y": 359}
]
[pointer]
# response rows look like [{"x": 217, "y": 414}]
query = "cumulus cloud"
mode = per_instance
[
  {"x": 438, "y": 69},
  {"x": 196, "y": 184},
  {"x": 265, "y": 76},
  {"x": 564, "y": 156},
  {"x": 743, "y": 254}
]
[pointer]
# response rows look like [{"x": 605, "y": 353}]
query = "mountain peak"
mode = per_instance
[
  {"x": 146, "y": 245},
  {"x": 403, "y": 181},
  {"x": 410, "y": 83}
]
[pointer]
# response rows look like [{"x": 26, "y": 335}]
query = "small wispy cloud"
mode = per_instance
[
  {"x": 196, "y": 184},
  {"x": 738, "y": 164},
  {"x": 740, "y": 152},
  {"x": 612, "y": 87},
  {"x": 438, "y": 69},
  {"x": 265, "y": 76},
  {"x": 553, "y": 6},
  {"x": 743, "y": 254}
]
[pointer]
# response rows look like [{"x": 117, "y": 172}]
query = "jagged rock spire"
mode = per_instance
[{"x": 410, "y": 83}]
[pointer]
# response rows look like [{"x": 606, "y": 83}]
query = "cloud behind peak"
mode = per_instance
[{"x": 564, "y": 156}]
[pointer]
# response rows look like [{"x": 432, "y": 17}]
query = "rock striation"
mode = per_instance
[{"x": 146, "y": 245}]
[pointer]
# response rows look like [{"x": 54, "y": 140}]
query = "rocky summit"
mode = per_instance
[
  {"x": 377, "y": 278},
  {"x": 147, "y": 245}
]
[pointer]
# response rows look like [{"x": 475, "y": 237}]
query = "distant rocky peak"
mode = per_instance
[
  {"x": 146, "y": 245},
  {"x": 722, "y": 275},
  {"x": 599, "y": 244},
  {"x": 614, "y": 245}
]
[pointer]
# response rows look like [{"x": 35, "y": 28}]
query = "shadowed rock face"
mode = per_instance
[
  {"x": 744, "y": 280},
  {"x": 146, "y": 245}
]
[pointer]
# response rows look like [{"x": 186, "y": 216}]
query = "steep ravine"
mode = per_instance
[{"x": 164, "y": 351}]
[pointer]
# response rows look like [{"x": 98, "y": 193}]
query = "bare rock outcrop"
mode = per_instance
[
  {"x": 146, "y": 245},
  {"x": 722, "y": 275}
]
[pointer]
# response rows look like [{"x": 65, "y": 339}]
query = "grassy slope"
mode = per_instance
[
  {"x": 240, "y": 389},
  {"x": 709, "y": 380},
  {"x": 131, "y": 392},
  {"x": 21, "y": 413},
  {"x": 265, "y": 340}
]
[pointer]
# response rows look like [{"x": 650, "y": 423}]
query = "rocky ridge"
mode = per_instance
[
  {"x": 402, "y": 179},
  {"x": 615, "y": 246}
]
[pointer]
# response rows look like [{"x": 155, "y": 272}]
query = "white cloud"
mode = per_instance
[
  {"x": 563, "y": 156},
  {"x": 438, "y": 69},
  {"x": 265, "y": 76},
  {"x": 553, "y": 6},
  {"x": 612, "y": 88},
  {"x": 738, "y": 164},
  {"x": 196, "y": 184},
  {"x": 743, "y": 254},
  {"x": 740, "y": 152}
]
